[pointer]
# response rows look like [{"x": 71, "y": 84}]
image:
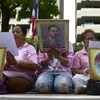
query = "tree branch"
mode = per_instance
[
  {"x": 15, "y": 6},
  {"x": 1, "y": 1}
]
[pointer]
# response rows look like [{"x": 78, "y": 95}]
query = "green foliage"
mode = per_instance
[
  {"x": 13, "y": 13},
  {"x": 28, "y": 40},
  {"x": 77, "y": 46},
  {"x": 48, "y": 9},
  {"x": 33, "y": 42}
]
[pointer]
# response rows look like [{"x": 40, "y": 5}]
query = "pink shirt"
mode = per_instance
[
  {"x": 81, "y": 59},
  {"x": 26, "y": 53},
  {"x": 68, "y": 55}
]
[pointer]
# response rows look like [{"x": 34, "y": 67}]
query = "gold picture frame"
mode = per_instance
[
  {"x": 2, "y": 59},
  {"x": 94, "y": 65},
  {"x": 42, "y": 28}
]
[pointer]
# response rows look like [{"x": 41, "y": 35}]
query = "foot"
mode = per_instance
[
  {"x": 81, "y": 90},
  {"x": 3, "y": 89}
]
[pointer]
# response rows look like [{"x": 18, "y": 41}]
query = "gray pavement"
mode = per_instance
[{"x": 48, "y": 97}]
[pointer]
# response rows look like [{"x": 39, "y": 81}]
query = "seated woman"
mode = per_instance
[
  {"x": 81, "y": 63},
  {"x": 19, "y": 70},
  {"x": 56, "y": 71}
]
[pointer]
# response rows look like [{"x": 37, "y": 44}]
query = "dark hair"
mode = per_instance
[
  {"x": 22, "y": 28},
  {"x": 88, "y": 31},
  {"x": 52, "y": 26}
]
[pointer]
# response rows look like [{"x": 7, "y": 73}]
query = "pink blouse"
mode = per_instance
[
  {"x": 26, "y": 53},
  {"x": 81, "y": 59}
]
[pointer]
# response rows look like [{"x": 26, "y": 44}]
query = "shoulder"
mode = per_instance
[
  {"x": 70, "y": 47},
  {"x": 46, "y": 39},
  {"x": 29, "y": 46},
  {"x": 78, "y": 53},
  {"x": 70, "y": 43}
]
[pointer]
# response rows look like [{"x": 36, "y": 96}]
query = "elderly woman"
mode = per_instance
[
  {"x": 81, "y": 63},
  {"x": 19, "y": 70}
]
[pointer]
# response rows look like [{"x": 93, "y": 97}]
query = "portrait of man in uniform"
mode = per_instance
[
  {"x": 53, "y": 34},
  {"x": 51, "y": 40}
]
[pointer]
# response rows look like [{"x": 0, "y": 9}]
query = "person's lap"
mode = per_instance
[
  {"x": 18, "y": 85},
  {"x": 49, "y": 81}
]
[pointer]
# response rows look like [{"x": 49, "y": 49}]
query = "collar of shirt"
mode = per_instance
[
  {"x": 84, "y": 51},
  {"x": 25, "y": 45},
  {"x": 52, "y": 40}
]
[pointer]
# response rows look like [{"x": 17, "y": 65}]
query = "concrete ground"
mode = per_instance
[{"x": 48, "y": 97}]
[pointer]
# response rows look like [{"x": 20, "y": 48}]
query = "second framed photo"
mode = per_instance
[
  {"x": 2, "y": 56},
  {"x": 94, "y": 62},
  {"x": 53, "y": 34},
  {"x": 94, "y": 59}
]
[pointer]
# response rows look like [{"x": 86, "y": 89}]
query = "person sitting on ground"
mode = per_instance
[
  {"x": 81, "y": 63},
  {"x": 19, "y": 70},
  {"x": 56, "y": 73}
]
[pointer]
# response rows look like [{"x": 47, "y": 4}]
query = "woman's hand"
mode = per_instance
[
  {"x": 10, "y": 59},
  {"x": 50, "y": 54},
  {"x": 86, "y": 71},
  {"x": 56, "y": 53}
]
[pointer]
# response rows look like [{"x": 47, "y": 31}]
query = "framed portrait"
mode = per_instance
[
  {"x": 94, "y": 59},
  {"x": 2, "y": 58},
  {"x": 94, "y": 63},
  {"x": 53, "y": 34}
]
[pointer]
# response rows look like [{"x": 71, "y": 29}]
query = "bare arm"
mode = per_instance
[
  {"x": 57, "y": 55},
  {"x": 63, "y": 60},
  {"x": 21, "y": 64},
  {"x": 27, "y": 65},
  {"x": 81, "y": 71},
  {"x": 46, "y": 60}
]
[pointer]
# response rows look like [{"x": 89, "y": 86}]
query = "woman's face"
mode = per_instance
[
  {"x": 88, "y": 37},
  {"x": 18, "y": 34}
]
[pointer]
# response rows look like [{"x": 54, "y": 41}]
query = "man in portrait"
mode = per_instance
[{"x": 52, "y": 39}]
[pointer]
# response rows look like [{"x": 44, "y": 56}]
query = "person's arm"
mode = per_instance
[
  {"x": 30, "y": 64},
  {"x": 76, "y": 67},
  {"x": 70, "y": 55},
  {"x": 22, "y": 65},
  {"x": 45, "y": 61},
  {"x": 81, "y": 71},
  {"x": 58, "y": 56},
  {"x": 63, "y": 60},
  {"x": 26, "y": 65},
  {"x": 77, "y": 71},
  {"x": 79, "y": 67}
]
